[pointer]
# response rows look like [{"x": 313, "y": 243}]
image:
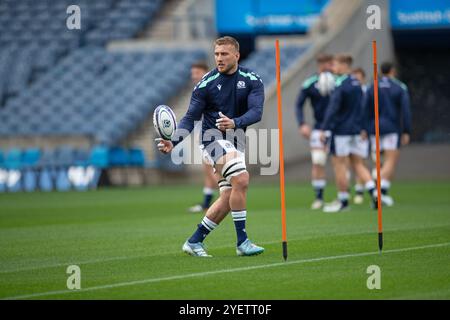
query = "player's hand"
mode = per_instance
[
  {"x": 364, "y": 135},
  {"x": 305, "y": 131},
  {"x": 224, "y": 123},
  {"x": 323, "y": 136},
  {"x": 405, "y": 139},
  {"x": 165, "y": 146}
]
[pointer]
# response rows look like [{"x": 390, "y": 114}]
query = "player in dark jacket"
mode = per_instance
[
  {"x": 229, "y": 98},
  {"x": 394, "y": 121}
]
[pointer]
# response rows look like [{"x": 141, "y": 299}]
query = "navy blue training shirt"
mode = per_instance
[
  {"x": 344, "y": 115},
  {"x": 239, "y": 96},
  {"x": 319, "y": 103},
  {"x": 393, "y": 107}
]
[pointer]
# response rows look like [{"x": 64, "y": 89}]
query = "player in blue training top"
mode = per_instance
[
  {"x": 344, "y": 118},
  {"x": 230, "y": 98},
  {"x": 360, "y": 74},
  {"x": 394, "y": 121},
  {"x": 319, "y": 98}
]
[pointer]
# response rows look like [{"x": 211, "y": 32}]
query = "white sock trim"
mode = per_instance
[
  {"x": 344, "y": 195},
  {"x": 208, "y": 224},
  {"x": 359, "y": 187},
  {"x": 319, "y": 183},
  {"x": 208, "y": 191},
  {"x": 385, "y": 184},
  {"x": 370, "y": 185},
  {"x": 239, "y": 215}
]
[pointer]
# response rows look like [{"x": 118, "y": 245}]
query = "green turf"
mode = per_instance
[{"x": 120, "y": 236}]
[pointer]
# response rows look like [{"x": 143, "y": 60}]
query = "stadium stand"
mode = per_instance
[
  {"x": 34, "y": 34},
  {"x": 91, "y": 85},
  {"x": 65, "y": 83},
  {"x": 263, "y": 60}
]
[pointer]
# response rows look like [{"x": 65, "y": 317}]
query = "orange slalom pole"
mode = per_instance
[
  {"x": 377, "y": 140},
  {"x": 280, "y": 142}
]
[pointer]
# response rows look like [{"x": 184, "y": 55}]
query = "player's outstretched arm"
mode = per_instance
[{"x": 194, "y": 113}]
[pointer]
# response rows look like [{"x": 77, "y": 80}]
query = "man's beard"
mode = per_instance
[{"x": 230, "y": 67}]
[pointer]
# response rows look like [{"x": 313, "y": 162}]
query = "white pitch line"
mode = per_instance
[
  {"x": 208, "y": 273},
  {"x": 119, "y": 258}
]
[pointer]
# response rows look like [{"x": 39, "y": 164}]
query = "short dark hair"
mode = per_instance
[
  {"x": 386, "y": 67},
  {"x": 323, "y": 58},
  {"x": 344, "y": 58},
  {"x": 359, "y": 70},
  {"x": 200, "y": 65},
  {"x": 227, "y": 40}
]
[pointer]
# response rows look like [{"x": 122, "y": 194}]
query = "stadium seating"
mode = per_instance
[
  {"x": 91, "y": 85},
  {"x": 34, "y": 35},
  {"x": 63, "y": 168},
  {"x": 262, "y": 61}
]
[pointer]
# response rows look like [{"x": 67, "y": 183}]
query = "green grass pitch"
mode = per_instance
[{"x": 128, "y": 246}]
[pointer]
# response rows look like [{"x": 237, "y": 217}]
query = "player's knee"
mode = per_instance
[
  {"x": 234, "y": 168},
  {"x": 319, "y": 157},
  {"x": 240, "y": 182}
]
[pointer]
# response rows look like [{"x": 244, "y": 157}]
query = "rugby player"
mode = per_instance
[
  {"x": 349, "y": 142},
  {"x": 319, "y": 104},
  {"x": 230, "y": 98},
  {"x": 394, "y": 122}
]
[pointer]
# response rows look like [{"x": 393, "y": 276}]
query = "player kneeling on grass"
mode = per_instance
[
  {"x": 395, "y": 123},
  {"x": 344, "y": 117},
  {"x": 229, "y": 98}
]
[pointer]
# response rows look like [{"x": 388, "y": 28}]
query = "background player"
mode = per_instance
[
  {"x": 360, "y": 74},
  {"x": 394, "y": 121},
  {"x": 344, "y": 119},
  {"x": 319, "y": 104},
  {"x": 230, "y": 97},
  {"x": 198, "y": 70}
]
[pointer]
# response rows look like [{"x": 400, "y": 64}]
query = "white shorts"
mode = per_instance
[
  {"x": 343, "y": 146},
  {"x": 314, "y": 140},
  {"x": 388, "y": 141},
  {"x": 217, "y": 149}
]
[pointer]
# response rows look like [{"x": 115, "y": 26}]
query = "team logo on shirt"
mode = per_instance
[{"x": 241, "y": 85}]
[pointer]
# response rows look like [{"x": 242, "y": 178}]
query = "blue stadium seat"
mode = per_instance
[
  {"x": 118, "y": 157},
  {"x": 31, "y": 157},
  {"x": 65, "y": 156},
  {"x": 30, "y": 180},
  {"x": 46, "y": 180},
  {"x": 13, "y": 159},
  {"x": 62, "y": 182},
  {"x": 99, "y": 157},
  {"x": 137, "y": 157}
]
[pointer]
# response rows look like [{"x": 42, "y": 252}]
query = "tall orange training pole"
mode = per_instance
[
  {"x": 377, "y": 139},
  {"x": 280, "y": 142}
]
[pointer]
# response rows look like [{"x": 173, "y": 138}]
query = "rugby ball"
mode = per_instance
[
  {"x": 325, "y": 83},
  {"x": 165, "y": 122}
]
